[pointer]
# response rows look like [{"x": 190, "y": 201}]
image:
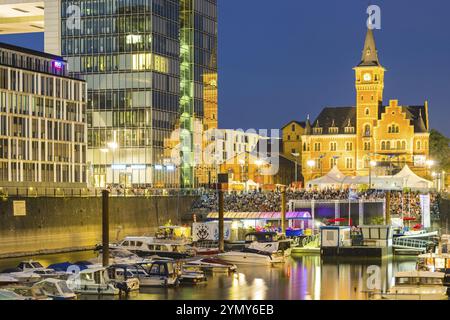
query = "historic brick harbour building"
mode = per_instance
[{"x": 365, "y": 137}]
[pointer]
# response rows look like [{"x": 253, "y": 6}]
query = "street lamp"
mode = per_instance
[
  {"x": 311, "y": 164},
  {"x": 372, "y": 164},
  {"x": 296, "y": 155},
  {"x": 429, "y": 163},
  {"x": 259, "y": 163}
]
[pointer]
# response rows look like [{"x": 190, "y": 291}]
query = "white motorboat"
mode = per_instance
[
  {"x": 417, "y": 285},
  {"x": 55, "y": 289},
  {"x": 23, "y": 277},
  {"x": 268, "y": 242},
  {"x": 158, "y": 273},
  {"x": 6, "y": 279},
  {"x": 434, "y": 262},
  {"x": 93, "y": 281},
  {"x": 213, "y": 265},
  {"x": 11, "y": 295},
  {"x": 252, "y": 257},
  {"x": 37, "y": 268},
  {"x": 117, "y": 256},
  {"x": 151, "y": 246},
  {"x": 192, "y": 275},
  {"x": 119, "y": 277},
  {"x": 31, "y": 293}
]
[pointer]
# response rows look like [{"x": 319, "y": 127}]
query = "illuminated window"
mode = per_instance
[
  {"x": 333, "y": 146},
  {"x": 148, "y": 61}
]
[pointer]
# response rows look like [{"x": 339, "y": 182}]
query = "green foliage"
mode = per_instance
[
  {"x": 440, "y": 150},
  {"x": 377, "y": 221}
]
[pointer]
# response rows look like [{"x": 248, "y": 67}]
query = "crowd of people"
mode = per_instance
[
  {"x": 404, "y": 203},
  {"x": 408, "y": 204}
]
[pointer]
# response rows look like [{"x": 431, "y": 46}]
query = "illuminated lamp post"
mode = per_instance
[
  {"x": 311, "y": 164},
  {"x": 372, "y": 164}
]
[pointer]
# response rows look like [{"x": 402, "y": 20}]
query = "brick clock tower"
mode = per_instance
[{"x": 369, "y": 80}]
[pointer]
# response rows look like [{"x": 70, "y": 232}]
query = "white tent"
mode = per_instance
[
  {"x": 334, "y": 178},
  {"x": 411, "y": 180}
]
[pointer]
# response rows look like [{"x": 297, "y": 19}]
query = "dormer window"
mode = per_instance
[
  {"x": 349, "y": 130},
  {"x": 317, "y": 130},
  {"x": 333, "y": 130}
]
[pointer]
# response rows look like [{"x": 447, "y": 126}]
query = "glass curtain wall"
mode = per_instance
[{"x": 128, "y": 51}]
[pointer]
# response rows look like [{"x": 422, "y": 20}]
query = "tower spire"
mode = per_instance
[{"x": 370, "y": 53}]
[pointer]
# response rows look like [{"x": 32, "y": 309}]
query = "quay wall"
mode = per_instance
[{"x": 53, "y": 224}]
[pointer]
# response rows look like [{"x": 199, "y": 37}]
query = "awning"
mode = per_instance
[{"x": 304, "y": 215}]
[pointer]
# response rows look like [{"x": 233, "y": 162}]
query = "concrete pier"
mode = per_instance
[{"x": 66, "y": 224}]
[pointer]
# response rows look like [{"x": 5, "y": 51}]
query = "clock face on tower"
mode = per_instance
[{"x": 367, "y": 77}]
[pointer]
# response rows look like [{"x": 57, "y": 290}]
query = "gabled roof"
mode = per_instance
[
  {"x": 416, "y": 114},
  {"x": 300, "y": 123},
  {"x": 339, "y": 117}
]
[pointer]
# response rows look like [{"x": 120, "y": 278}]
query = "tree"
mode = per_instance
[{"x": 440, "y": 150}]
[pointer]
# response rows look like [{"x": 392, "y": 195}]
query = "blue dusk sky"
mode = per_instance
[{"x": 282, "y": 60}]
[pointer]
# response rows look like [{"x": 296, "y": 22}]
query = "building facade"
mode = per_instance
[
  {"x": 43, "y": 132},
  {"x": 151, "y": 69},
  {"x": 369, "y": 138}
]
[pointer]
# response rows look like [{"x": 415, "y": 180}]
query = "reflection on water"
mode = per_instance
[{"x": 301, "y": 278}]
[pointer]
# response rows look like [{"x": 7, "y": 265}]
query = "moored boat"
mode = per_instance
[
  {"x": 11, "y": 295},
  {"x": 6, "y": 280},
  {"x": 212, "y": 264},
  {"x": 158, "y": 273},
  {"x": 252, "y": 257},
  {"x": 417, "y": 285},
  {"x": 150, "y": 246},
  {"x": 94, "y": 281},
  {"x": 55, "y": 289}
]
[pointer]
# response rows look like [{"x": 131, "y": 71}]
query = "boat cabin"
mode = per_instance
[
  {"x": 30, "y": 265},
  {"x": 419, "y": 278}
]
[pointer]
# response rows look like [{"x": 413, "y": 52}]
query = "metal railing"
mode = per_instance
[
  {"x": 35, "y": 192},
  {"x": 406, "y": 243}
]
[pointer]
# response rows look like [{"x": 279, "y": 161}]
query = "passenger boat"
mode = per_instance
[
  {"x": 150, "y": 246},
  {"x": 205, "y": 248},
  {"x": 252, "y": 257},
  {"x": 94, "y": 281},
  {"x": 417, "y": 285},
  {"x": 55, "y": 289},
  {"x": 213, "y": 265}
]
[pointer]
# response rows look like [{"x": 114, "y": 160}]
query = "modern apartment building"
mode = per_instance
[
  {"x": 151, "y": 69},
  {"x": 42, "y": 120}
]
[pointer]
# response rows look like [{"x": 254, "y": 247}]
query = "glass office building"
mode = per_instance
[{"x": 145, "y": 63}]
